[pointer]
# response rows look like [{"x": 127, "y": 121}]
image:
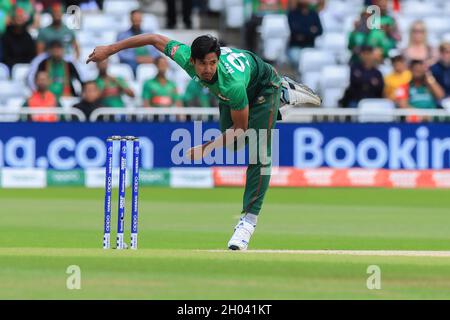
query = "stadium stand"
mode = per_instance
[{"x": 324, "y": 68}]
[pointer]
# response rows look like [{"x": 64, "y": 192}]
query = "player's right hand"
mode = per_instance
[{"x": 100, "y": 53}]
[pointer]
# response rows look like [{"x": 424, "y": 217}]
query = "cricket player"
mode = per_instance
[{"x": 250, "y": 93}]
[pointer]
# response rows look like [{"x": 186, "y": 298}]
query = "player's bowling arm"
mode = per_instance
[
  {"x": 101, "y": 53},
  {"x": 240, "y": 125}
]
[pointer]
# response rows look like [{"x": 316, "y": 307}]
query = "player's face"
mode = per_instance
[{"x": 207, "y": 67}]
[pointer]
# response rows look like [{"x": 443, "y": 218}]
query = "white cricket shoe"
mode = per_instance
[
  {"x": 241, "y": 236},
  {"x": 294, "y": 94}
]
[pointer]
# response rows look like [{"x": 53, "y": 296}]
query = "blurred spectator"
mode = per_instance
[
  {"x": 171, "y": 13},
  {"x": 418, "y": 47},
  {"x": 42, "y": 97},
  {"x": 358, "y": 36},
  {"x": 254, "y": 11},
  {"x": 366, "y": 81},
  {"x": 305, "y": 26},
  {"x": 60, "y": 32},
  {"x": 90, "y": 99},
  {"x": 399, "y": 77},
  {"x": 387, "y": 37},
  {"x": 135, "y": 56},
  {"x": 422, "y": 91},
  {"x": 441, "y": 70},
  {"x": 111, "y": 88},
  {"x": 383, "y": 39},
  {"x": 198, "y": 96},
  {"x": 28, "y": 8},
  {"x": 159, "y": 91},
  {"x": 5, "y": 13},
  {"x": 48, "y": 4},
  {"x": 61, "y": 72},
  {"x": 18, "y": 45}
]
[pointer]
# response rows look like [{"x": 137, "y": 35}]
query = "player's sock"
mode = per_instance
[{"x": 251, "y": 218}]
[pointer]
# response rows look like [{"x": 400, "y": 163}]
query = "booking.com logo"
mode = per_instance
[{"x": 259, "y": 142}]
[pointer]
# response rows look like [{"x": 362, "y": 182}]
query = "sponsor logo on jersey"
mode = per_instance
[
  {"x": 174, "y": 50},
  {"x": 229, "y": 68}
]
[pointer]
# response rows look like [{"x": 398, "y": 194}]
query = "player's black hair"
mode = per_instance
[{"x": 204, "y": 45}]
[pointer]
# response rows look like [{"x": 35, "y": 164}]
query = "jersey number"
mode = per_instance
[{"x": 233, "y": 58}]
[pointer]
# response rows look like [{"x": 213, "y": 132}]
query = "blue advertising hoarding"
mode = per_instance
[{"x": 65, "y": 146}]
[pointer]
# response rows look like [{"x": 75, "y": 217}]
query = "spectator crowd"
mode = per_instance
[
  {"x": 55, "y": 68},
  {"x": 382, "y": 61}
]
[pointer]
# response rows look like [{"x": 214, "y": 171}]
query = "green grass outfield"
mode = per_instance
[{"x": 42, "y": 232}]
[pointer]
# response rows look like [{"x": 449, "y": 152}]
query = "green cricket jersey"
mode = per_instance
[
  {"x": 240, "y": 76},
  {"x": 158, "y": 94}
]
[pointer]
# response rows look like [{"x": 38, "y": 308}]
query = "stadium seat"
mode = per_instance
[
  {"x": 275, "y": 25},
  {"x": 331, "y": 97},
  {"x": 315, "y": 59},
  {"x": 275, "y": 34},
  {"x": 45, "y": 20},
  {"x": 181, "y": 80},
  {"x": 136, "y": 86},
  {"x": 234, "y": 13},
  {"x": 349, "y": 23},
  {"x": 150, "y": 22},
  {"x": 216, "y": 5},
  {"x": 337, "y": 76},
  {"x": 446, "y": 37},
  {"x": 311, "y": 79},
  {"x": 121, "y": 70},
  {"x": 12, "y": 105},
  {"x": 330, "y": 23},
  {"x": 335, "y": 42},
  {"x": 419, "y": 9},
  {"x": 12, "y": 89},
  {"x": 145, "y": 71},
  {"x": 4, "y": 72},
  {"x": 120, "y": 7},
  {"x": 376, "y": 110},
  {"x": 438, "y": 25},
  {"x": 68, "y": 102},
  {"x": 446, "y": 104},
  {"x": 102, "y": 22},
  {"x": 20, "y": 72},
  {"x": 92, "y": 39}
]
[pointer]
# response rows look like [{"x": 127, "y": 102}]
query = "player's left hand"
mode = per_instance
[
  {"x": 100, "y": 53},
  {"x": 195, "y": 153}
]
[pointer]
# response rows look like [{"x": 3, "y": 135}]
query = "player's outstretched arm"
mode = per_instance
[
  {"x": 240, "y": 126},
  {"x": 101, "y": 53}
]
